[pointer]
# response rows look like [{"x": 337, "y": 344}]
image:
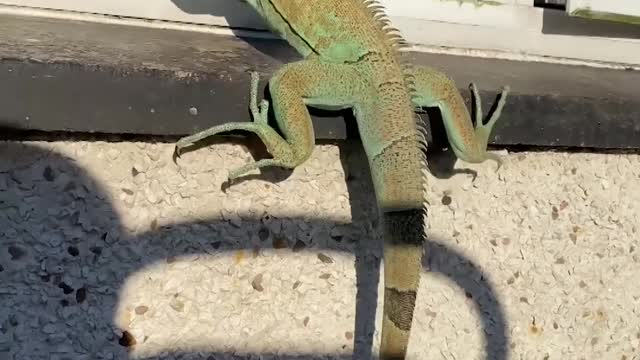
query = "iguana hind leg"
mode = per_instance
[
  {"x": 292, "y": 87},
  {"x": 258, "y": 114},
  {"x": 275, "y": 144},
  {"x": 435, "y": 89}
]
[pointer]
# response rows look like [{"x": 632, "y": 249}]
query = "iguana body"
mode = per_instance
[{"x": 352, "y": 61}]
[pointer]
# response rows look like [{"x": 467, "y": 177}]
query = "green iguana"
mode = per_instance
[{"x": 352, "y": 59}]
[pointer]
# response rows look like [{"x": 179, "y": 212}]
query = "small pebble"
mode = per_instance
[
  {"x": 141, "y": 310},
  {"x": 325, "y": 259},
  {"x": 256, "y": 283},
  {"x": 177, "y": 305}
]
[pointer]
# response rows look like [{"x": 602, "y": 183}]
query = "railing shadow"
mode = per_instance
[{"x": 67, "y": 255}]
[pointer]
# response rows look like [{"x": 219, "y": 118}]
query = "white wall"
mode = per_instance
[
  {"x": 513, "y": 29},
  {"x": 213, "y": 12},
  {"x": 625, "y": 7}
]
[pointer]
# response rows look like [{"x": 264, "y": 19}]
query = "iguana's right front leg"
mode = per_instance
[
  {"x": 291, "y": 87},
  {"x": 434, "y": 88}
]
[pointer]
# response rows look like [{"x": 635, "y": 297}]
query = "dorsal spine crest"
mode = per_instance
[{"x": 397, "y": 43}]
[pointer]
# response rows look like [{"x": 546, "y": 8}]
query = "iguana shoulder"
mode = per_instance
[{"x": 339, "y": 31}]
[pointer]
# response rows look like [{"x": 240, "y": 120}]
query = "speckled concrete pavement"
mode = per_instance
[{"x": 112, "y": 251}]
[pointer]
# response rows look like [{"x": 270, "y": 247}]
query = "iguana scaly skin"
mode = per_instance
[{"x": 352, "y": 60}]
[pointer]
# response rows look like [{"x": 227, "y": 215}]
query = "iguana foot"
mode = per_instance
[
  {"x": 483, "y": 131},
  {"x": 236, "y": 173},
  {"x": 283, "y": 155},
  {"x": 259, "y": 116}
]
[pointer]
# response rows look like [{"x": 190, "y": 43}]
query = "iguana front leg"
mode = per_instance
[
  {"x": 435, "y": 89},
  {"x": 292, "y": 87}
]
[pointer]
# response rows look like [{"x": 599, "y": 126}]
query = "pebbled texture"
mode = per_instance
[{"x": 540, "y": 261}]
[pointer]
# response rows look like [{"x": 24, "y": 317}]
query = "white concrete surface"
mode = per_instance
[{"x": 537, "y": 261}]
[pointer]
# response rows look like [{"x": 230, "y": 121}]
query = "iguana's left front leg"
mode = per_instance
[
  {"x": 291, "y": 88},
  {"x": 435, "y": 89}
]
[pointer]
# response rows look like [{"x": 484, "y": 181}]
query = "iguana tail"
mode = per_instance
[
  {"x": 403, "y": 239},
  {"x": 398, "y": 172}
]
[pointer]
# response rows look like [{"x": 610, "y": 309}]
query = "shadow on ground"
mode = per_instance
[{"x": 66, "y": 255}]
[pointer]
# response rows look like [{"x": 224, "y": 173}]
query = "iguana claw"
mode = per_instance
[
  {"x": 483, "y": 131},
  {"x": 259, "y": 114},
  {"x": 259, "y": 126}
]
